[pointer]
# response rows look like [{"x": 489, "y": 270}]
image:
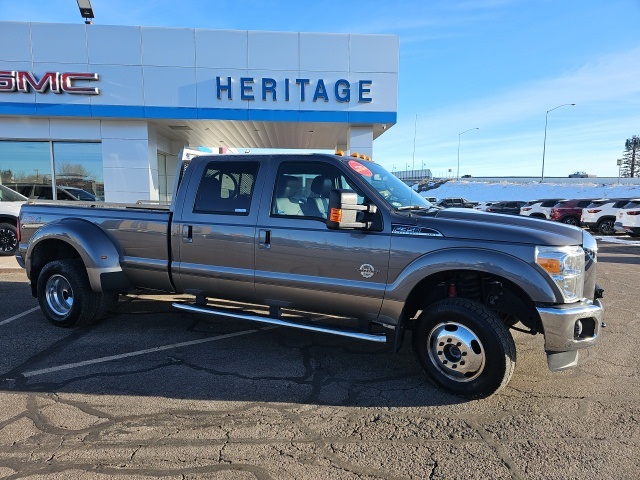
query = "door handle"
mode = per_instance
[
  {"x": 187, "y": 234},
  {"x": 264, "y": 240}
]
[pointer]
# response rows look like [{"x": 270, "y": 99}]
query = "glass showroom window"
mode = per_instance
[
  {"x": 27, "y": 168},
  {"x": 25, "y": 164},
  {"x": 78, "y": 168}
]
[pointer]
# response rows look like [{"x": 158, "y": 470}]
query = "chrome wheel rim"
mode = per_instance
[
  {"x": 59, "y": 295},
  {"x": 456, "y": 351}
]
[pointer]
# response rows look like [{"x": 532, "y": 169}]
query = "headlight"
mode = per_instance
[{"x": 565, "y": 265}]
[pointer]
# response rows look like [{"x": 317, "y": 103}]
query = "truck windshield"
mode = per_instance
[{"x": 396, "y": 193}]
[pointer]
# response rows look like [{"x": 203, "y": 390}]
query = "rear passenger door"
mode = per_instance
[
  {"x": 300, "y": 263},
  {"x": 213, "y": 236}
]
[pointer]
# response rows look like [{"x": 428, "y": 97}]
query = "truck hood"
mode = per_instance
[{"x": 471, "y": 224}]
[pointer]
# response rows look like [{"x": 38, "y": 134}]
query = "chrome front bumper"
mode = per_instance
[{"x": 569, "y": 328}]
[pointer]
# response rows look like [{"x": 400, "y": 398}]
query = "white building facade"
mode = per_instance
[{"x": 108, "y": 108}]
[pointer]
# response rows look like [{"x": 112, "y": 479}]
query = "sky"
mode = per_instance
[{"x": 477, "y": 80}]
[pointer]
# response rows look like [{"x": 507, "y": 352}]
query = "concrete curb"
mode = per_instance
[{"x": 9, "y": 265}]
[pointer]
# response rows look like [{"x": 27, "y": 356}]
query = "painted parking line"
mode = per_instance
[
  {"x": 111, "y": 358},
  {"x": 15, "y": 317}
]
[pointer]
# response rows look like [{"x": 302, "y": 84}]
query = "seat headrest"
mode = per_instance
[
  {"x": 289, "y": 187},
  {"x": 321, "y": 185}
]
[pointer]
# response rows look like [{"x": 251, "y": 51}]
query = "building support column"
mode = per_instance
[{"x": 360, "y": 140}]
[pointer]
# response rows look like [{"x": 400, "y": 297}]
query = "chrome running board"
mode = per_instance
[{"x": 369, "y": 337}]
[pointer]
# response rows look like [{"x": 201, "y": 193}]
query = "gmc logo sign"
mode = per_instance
[{"x": 56, "y": 82}]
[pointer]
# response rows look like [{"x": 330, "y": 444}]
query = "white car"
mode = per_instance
[
  {"x": 628, "y": 220},
  {"x": 10, "y": 203},
  {"x": 539, "y": 208},
  {"x": 600, "y": 215}
]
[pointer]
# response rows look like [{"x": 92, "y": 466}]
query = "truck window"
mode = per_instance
[
  {"x": 302, "y": 189},
  {"x": 226, "y": 188}
]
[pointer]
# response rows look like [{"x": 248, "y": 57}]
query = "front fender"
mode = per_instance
[
  {"x": 533, "y": 282},
  {"x": 95, "y": 247}
]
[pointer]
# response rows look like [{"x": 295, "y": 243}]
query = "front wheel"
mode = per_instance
[
  {"x": 64, "y": 294},
  {"x": 464, "y": 347}
]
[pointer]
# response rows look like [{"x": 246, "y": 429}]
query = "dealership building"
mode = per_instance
[{"x": 109, "y": 108}]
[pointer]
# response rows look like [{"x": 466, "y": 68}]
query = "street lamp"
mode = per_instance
[
  {"x": 458, "y": 171},
  {"x": 544, "y": 145}
]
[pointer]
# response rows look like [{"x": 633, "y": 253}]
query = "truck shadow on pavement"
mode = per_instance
[{"x": 150, "y": 350}]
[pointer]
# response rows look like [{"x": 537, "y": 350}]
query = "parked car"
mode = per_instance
[
  {"x": 511, "y": 207},
  {"x": 580, "y": 175},
  {"x": 482, "y": 206},
  {"x": 600, "y": 215},
  {"x": 540, "y": 208},
  {"x": 45, "y": 192},
  {"x": 628, "y": 220},
  {"x": 457, "y": 202},
  {"x": 10, "y": 203},
  {"x": 570, "y": 211}
]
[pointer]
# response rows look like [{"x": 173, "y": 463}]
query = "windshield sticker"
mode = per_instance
[{"x": 359, "y": 168}]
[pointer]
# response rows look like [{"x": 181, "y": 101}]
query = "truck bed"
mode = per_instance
[{"x": 141, "y": 230}]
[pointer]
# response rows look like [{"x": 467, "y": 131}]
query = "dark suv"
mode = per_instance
[
  {"x": 512, "y": 207},
  {"x": 570, "y": 211},
  {"x": 456, "y": 202}
]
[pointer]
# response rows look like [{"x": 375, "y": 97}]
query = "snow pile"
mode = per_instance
[{"x": 487, "y": 191}]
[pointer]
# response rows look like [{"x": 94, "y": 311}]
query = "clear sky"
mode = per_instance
[{"x": 495, "y": 65}]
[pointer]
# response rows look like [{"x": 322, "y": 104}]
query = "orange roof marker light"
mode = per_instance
[
  {"x": 340, "y": 153},
  {"x": 355, "y": 155}
]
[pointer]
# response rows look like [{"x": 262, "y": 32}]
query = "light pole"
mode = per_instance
[
  {"x": 544, "y": 145},
  {"x": 458, "y": 171}
]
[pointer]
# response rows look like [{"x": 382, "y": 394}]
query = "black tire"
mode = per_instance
[
  {"x": 8, "y": 239},
  {"x": 464, "y": 347},
  {"x": 606, "y": 227},
  {"x": 571, "y": 221},
  {"x": 538, "y": 215},
  {"x": 65, "y": 295}
]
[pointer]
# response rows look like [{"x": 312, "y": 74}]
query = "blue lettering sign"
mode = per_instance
[
  {"x": 220, "y": 87},
  {"x": 268, "y": 85},
  {"x": 302, "y": 82},
  {"x": 246, "y": 88},
  {"x": 268, "y": 89},
  {"x": 362, "y": 91},
  {"x": 343, "y": 95},
  {"x": 321, "y": 92}
]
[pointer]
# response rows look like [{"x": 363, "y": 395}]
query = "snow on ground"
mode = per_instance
[{"x": 487, "y": 191}]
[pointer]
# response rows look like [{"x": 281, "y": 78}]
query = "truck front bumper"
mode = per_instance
[{"x": 569, "y": 328}]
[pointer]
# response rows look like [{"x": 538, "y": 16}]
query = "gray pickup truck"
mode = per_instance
[{"x": 330, "y": 235}]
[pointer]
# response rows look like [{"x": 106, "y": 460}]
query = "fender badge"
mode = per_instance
[{"x": 367, "y": 271}]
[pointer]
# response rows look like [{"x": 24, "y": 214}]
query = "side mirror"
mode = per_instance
[{"x": 344, "y": 208}]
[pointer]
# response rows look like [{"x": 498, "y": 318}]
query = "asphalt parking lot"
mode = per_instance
[{"x": 153, "y": 392}]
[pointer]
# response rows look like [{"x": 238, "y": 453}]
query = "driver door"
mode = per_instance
[{"x": 302, "y": 264}]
